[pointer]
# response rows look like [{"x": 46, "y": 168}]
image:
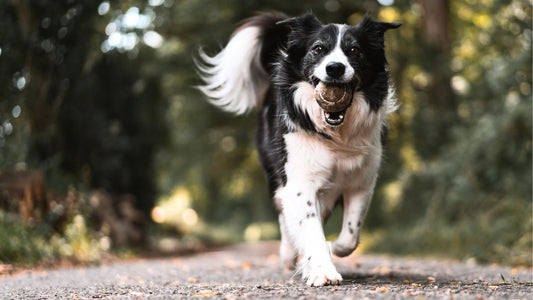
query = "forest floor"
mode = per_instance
[{"x": 252, "y": 271}]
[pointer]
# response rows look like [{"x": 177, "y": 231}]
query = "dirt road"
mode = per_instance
[{"x": 252, "y": 271}]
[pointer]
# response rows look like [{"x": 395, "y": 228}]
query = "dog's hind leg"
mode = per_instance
[{"x": 287, "y": 253}]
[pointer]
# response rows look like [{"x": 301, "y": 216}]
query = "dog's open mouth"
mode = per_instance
[
  {"x": 334, "y": 118},
  {"x": 334, "y": 99}
]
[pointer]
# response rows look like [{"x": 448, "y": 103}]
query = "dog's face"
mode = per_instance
[
  {"x": 333, "y": 56},
  {"x": 337, "y": 54}
]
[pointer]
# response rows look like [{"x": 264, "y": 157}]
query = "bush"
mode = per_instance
[{"x": 19, "y": 243}]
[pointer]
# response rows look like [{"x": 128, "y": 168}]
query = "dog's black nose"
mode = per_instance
[{"x": 335, "y": 69}]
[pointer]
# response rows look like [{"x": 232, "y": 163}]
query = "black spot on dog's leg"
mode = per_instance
[
  {"x": 299, "y": 194},
  {"x": 309, "y": 258},
  {"x": 309, "y": 203},
  {"x": 310, "y": 215},
  {"x": 359, "y": 224},
  {"x": 350, "y": 229}
]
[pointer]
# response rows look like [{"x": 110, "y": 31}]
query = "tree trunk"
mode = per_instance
[{"x": 435, "y": 29}]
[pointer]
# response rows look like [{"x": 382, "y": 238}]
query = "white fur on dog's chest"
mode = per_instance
[{"x": 332, "y": 166}]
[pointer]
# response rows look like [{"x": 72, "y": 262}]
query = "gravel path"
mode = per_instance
[{"x": 252, "y": 271}]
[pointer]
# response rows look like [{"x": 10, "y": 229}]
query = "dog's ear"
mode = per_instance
[
  {"x": 373, "y": 32},
  {"x": 305, "y": 23},
  {"x": 300, "y": 28},
  {"x": 370, "y": 25}
]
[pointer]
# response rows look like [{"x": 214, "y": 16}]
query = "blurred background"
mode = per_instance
[{"x": 106, "y": 147}]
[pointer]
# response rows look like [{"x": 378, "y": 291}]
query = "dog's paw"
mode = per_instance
[{"x": 321, "y": 276}]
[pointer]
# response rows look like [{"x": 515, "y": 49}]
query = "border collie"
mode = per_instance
[{"x": 314, "y": 155}]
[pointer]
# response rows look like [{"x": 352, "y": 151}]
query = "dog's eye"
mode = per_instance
[
  {"x": 353, "y": 51},
  {"x": 318, "y": 49}
]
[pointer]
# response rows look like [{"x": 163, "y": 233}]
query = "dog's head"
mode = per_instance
[{"x": 349, "y": 58}]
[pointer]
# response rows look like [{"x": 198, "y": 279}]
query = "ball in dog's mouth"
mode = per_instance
[{"x": 334, "y": 99}]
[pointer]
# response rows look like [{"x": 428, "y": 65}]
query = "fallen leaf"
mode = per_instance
[
  {"x": 205, "y": 293},
  {"x": 192, "y": 280},
  {"x": 493, "y": 287},
  {"x": 245, "y": 266},
  {"x": 230, "y": 264},
  {"x": 273, "y": 258},
  {"x": 383, "y": 289},
  {"x": 431, "y": 278}
]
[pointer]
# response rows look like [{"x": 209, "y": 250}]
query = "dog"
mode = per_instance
[{"x": 314, "y": 157}]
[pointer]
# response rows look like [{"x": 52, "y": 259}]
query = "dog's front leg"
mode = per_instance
[
  {"x": 355, "y": 207},
  {"x": 308, "y": 169},
  {"x": 301, "y": 213}
]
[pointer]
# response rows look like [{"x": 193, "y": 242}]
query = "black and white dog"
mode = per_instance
[{"x": 313, "y": 158}]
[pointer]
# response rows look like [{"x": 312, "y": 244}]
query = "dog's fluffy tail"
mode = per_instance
[{"x": 237, "y": 78}]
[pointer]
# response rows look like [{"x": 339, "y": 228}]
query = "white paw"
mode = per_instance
[{"x": 321, "y": 276}]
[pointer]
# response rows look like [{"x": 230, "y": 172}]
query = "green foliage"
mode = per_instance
[
  {"x": 26, "y": 244},
  {"x": 19, "y": 245},
  {"x": 77, "y": 242}
]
